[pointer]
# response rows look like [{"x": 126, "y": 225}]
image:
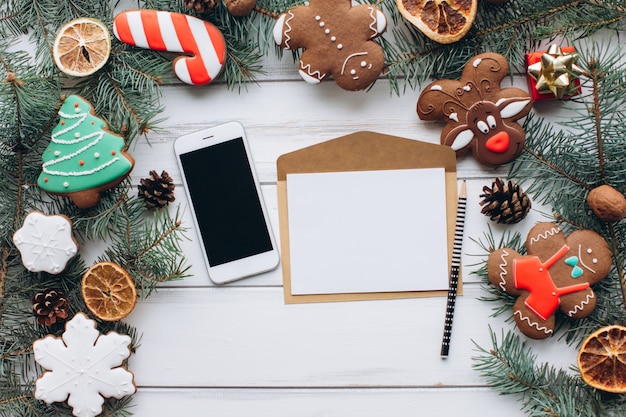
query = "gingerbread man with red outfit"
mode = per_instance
[{"x": 556, "y": 274}]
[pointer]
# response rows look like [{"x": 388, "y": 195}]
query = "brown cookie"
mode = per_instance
[
  {"x": 337, "y": 41},
  {"x": 557, "y": 273},
  {"x": 480, "y": 115}
]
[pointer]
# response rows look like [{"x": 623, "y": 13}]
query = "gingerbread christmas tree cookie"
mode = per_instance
[{"x": 83, "y": 158}]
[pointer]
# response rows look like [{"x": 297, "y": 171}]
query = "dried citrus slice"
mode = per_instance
[
  {"x": 109, "y": 291},
  {"x": 602, "y": 359},
  {"x": 82, "y": 47},
  {"x": 444, "y": 21}
]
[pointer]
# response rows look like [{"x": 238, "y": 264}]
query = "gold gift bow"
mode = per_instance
[{"x": 556, "y": 72}]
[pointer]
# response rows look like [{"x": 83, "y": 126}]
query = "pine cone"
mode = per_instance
[
  {"x": 201, "y": 6},
  {"x": 157, "y": 191},
  {"x": 50, "y": 306},
  {"x": 505, "y": 203}
]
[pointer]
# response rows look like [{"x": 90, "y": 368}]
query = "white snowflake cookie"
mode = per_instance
[
  {"x": 83, "y": 367},
  {"x": 45, "y": 242}
]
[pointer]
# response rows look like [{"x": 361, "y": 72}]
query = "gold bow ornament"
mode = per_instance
[{"x": 554, "y": 72}]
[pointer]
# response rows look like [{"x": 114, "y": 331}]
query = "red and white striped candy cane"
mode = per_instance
[{"x": 176, "y": 32}]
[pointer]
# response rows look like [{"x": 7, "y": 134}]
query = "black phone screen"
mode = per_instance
[{"x": 227, "y": 205}]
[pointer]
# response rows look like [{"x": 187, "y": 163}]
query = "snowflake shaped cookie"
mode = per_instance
[
  {"x": 83, "y": 367},
  {"x": 45, "y": 242}
]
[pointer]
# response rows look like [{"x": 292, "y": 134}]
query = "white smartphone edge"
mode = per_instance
[{"x": 244, "y": 267}]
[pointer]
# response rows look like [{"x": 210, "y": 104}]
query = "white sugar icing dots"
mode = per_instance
[
  {"x": 45, "y": 242},
  {"x": 83, "y": 367}
]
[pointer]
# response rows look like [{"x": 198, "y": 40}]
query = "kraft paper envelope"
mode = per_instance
[{"x": 363, "y": 151}]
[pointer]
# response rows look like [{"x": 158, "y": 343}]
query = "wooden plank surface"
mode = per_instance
[{"x": 238, "y": 350}]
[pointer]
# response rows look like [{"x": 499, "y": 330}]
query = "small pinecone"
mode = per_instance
[
  {"x": 201, "y": 6},
  {"x": 50, "y": 306},
  {"x": 157, "y": 191},
  {"x": 505, "y": 203}
]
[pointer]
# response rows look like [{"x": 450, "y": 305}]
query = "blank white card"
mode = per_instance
[{"x": 368, "y": 231}]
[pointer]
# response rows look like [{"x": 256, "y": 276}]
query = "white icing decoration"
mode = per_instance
[
  {"x": 311, "y": 77},
  {"x": 322, "y": 24},
  {"x": 550, "y": 232},
  {"x": 340, "y": 46},
  {"x": 467, "y": 88},
  {"x": 589, "y": 250},
  {"x": 582, "y": 304},
  {"x": 83, "y": 366},
  {"x": 454, "y": 116},
  {"x": 477, "y": 62},
  {"x": 580, "y": 260},
  {"x": 76, "y": 135},
  {"x": 57, "y": 153},
  {"x": 45, "y": 242},
  {"x": 512, "y": 109},
  {"x": 436, "y": 88},
  {"x": 353, "y": 72},
  {"x": 55, "y": 139},
  {"x": 462, "y": 139},
  {"x": 503, "y": 271},
  {"x": 66, "y": 184},
  {"x": 379, "y": 22},
  {"x": 327, "y": 31},
  {"x": 594, "y": 260},
  {"x": 279, "y": 30},
  {"x": 533, "y": 324},
  {"x": 363, "y": 64},
  {"x": 318, "y": 17},
  {"x": 96, "y": 155},
  {"x": 333, "y": 38},
  {"x": 345, "y": 62}
]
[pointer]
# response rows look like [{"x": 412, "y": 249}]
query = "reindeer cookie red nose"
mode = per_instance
[{"x": 498, "y": 143}]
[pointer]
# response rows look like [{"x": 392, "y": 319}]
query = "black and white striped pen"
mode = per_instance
[{"x": 454, "y": 270}]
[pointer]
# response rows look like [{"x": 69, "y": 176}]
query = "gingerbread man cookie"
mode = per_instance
[
  {"x": 337, "y": 39},
  {"x": 480, "y": 115},
  {"x": 557, "y": 273}
]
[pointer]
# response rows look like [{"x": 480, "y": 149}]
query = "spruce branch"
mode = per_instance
[{"x": 510, "y": 367}]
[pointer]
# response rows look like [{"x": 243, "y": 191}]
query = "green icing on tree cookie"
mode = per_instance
[{"x": 82, "y": 154}]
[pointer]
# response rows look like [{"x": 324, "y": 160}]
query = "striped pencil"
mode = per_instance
[{"x": 454, "y": 270}]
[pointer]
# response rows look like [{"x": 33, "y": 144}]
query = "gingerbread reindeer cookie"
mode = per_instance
[
  {"x": 480, "y": 115},
  {"x": 337, "y": 41},
  {"x": 557, "y": 273}
]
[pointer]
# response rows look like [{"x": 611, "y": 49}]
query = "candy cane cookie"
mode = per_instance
[{"x": 203, "y": 43}]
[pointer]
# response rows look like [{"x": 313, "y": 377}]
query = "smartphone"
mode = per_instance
[{"x": 226, "y": 201}]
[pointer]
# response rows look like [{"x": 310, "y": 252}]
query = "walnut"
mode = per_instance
[{"x": 607, "y": 203}]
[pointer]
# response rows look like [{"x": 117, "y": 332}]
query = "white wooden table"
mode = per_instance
[{"x": 238, "y": 350}]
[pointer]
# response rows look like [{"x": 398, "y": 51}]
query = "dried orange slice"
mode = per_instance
[
  {"x": 602, "y": 359},
  {"x": 444, "y": 21},
  {"x": 82, "y": 47},
  {"x": 109, "y": 291}
]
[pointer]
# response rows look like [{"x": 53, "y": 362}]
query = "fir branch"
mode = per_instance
[
  {"x": 564, "y": 164},
  {"x": 510, "y": 367},
  {"x": 511, "y": 29},
  {"x": 148, "y": 250}
]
